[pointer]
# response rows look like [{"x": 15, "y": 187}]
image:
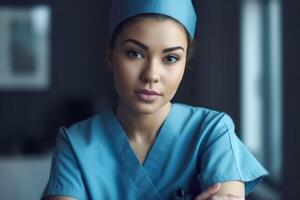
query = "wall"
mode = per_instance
[
  {"x": 80, "y": 82},
  {"x": 78, "y": 78},
  {"x": 291, "y": 164}
]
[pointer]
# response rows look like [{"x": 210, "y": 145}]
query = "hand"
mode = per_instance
[{"x": 209, "y": 194}]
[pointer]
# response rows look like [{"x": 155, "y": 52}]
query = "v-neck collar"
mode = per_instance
[{"x": 143, "y": 175}]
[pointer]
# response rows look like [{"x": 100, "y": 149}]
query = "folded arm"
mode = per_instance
[{"x": 233, "y": 190}]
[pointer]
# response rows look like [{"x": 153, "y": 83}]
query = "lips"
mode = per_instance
[
  {"x": 147, "y": 95},
  {"x": 148, "y": 92}
]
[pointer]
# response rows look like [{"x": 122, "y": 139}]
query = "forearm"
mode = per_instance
[{"x": 236, "y": 188}]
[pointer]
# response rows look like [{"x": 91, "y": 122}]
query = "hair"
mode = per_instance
[{"x": 157, "y": 16}]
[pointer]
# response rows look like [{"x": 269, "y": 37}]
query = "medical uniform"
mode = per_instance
[{"x": 194, "y": 148}]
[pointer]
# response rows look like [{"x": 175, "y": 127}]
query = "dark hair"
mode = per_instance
[{"x": 119, "y": 28}]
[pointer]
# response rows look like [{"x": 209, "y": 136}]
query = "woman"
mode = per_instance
[{"x": 147, "y": 147}]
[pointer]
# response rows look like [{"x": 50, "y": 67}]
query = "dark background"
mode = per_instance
[{"x": 80, "y": 85}]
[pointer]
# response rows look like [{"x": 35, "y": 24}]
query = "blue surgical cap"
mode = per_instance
[{"x": 180, "y": 10}]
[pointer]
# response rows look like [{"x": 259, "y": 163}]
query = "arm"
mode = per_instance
[
  {"x": 65, "y": 180},
  {"x": 234, "y": 190}
]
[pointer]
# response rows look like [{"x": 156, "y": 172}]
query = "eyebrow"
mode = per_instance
[{"x": 143, "y": 46}]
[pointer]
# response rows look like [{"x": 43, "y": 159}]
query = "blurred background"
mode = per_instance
[{"x": 52, "y": 74}]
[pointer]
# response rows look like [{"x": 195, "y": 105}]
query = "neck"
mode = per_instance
[{"x": 141, "y": 127}]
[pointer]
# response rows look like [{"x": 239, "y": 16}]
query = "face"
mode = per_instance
[{"x": 148, "y": 63}]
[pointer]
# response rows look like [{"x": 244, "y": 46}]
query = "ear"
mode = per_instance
[{"x": 109, "y": 59}]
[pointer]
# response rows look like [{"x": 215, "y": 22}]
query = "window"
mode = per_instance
[{"x": 261, "y": 82}]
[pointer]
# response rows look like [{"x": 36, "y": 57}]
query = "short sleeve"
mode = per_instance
[
  {"x": 226, "y": 158},
  {"x": 65, "y": 177}
]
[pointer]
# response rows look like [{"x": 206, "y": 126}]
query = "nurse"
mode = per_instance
[{"x": 147, "y": 147}]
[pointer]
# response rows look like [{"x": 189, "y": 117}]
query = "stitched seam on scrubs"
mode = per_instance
[
  {"x": 82, "y": 190},
  {"x": 219, "y": 117},
  {"x": 70, "y": 192},
  {"x": 232, "y": 150}
]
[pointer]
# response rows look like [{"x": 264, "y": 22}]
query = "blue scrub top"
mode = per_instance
[{"x": 195, "y": 148}]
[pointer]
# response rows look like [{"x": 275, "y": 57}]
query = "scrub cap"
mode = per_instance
[{"x": 180, "y": 10}]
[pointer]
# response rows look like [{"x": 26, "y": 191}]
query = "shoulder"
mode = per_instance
[
  {"x": 84, "y": 130},
  {"x": 204, "y": 116},
  {"x": 196, "y": 109},
  {"x": 203, "y": 124}
]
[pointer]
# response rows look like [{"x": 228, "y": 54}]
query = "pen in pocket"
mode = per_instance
[{"x": 180, "y": 195}]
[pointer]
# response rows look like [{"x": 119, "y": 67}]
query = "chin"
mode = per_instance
[
  {"x": 146, "y": 108},
  {"x": 141, "y": 107}
]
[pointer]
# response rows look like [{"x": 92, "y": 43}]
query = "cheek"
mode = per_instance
[
  {"x": 121, "y": 78},
  {"x": 173, "y": 79},
  {"x": 125, "y": 76}
]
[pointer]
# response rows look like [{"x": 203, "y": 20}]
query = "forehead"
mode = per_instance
[{"x": 153, "y": 31}]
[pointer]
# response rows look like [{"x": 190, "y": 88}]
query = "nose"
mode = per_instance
[{"x": 151, "y": 71}]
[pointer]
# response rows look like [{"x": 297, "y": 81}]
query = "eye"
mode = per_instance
[
  {"x": 134, "y": 54},
  {"x": 171, "y": 59}
]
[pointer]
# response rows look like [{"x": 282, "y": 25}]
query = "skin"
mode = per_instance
[
  {"x": 152, "y": 58},
  {"x": 146, "y": 58}
]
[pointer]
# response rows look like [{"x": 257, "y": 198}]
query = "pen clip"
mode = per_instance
[{"x": 180, "y": 192}]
